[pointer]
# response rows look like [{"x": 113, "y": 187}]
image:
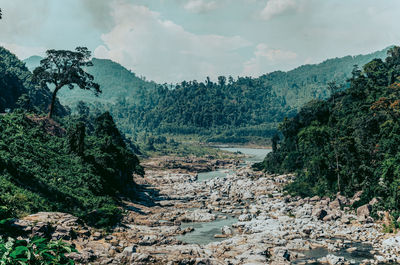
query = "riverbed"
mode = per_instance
[
  {"x": 204, "y": 233},
  {"x": 235, "y": 216}
]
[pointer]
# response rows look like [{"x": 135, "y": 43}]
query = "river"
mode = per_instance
[{"x": 204, "y": 232}]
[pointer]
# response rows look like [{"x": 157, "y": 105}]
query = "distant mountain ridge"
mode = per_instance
[
  {"x": 116, "y": 83},
  {"x": 232, "y": 109},
  {"x": 297, "y": 86},
  {"x": 309, "y": 81}
]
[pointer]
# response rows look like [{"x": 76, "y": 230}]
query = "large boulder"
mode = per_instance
[
  {"x": 335, "y": 205},
  {"x": 363, "y": 212},
  {"x": 226, "y": 230},
  {"x": 356, "y": 197},
  {"x": 245, "y": 217},
  {"x": 319, "y": 213},
  {"x": 198, "y": 216}
]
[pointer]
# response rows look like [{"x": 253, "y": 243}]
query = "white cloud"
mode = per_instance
[
  {"x": 164, "y": 51},
  {"x": 200, "y": 6},
  {"x": 23, "y": 52},
  {"x": 266, "y": 59},
  {"x": 277, "y": 7}
]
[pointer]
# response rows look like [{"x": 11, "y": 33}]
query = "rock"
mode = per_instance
[
  {"x": 304, "y": 212},
  {"x": 373, "y": 201},
  {"x": 298, "y": 244},
  {"x": 281, "y": 254},
  {"x": 96, "y": 235},
  {"x": 379, "y": 258},
  {"x": 329, "y": 217},
  {"x": 345, "y": 220},
  {"x": 141, "y": 257},
  {"x": 247, "y": 195},
  {"x": 335, "y": 205},
  {"x": 84, "y": 256},
  {"x": 333, "y": 260},
  {"x": 392, "y": 244},
  {"x": 198, "y": 215},
  {"x": 351, "y": 250},
  {"x": 315, "y": 198},
  {"x": 319, "y": 213},
  {"x": 62, "y": 232},
  {"x": 332, "y": 248},
  {"x": 244, "y": 217},
  {"x": 342, "y": 199},
  {"x": 42, "y": 229},
  {"x": 83, "y": 233},
  {"x": 128, "y": 252},
  {"x": 356, "y": 197},
  {"x": 148, "y": 240},
  {"x": 363, "y": 212},
  {"x": 226, "y": 230}
]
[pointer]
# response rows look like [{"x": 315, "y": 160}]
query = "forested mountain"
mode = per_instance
[
  {"x": 117, "y": 83},
  {"x": 77, "y": 164},
  {"x": 235, "y": 110},
  {"x": 229, "y": 110},
  {"x": 307, "y": 82},
  {"x": 349, "y": 142},
  {"x": 17, "y": 88}
]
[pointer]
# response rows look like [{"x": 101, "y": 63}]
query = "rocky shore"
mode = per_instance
[{"x": 271, "y": 227}]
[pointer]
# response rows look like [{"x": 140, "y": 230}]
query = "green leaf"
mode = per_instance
[{"x": 20, "y": 250}]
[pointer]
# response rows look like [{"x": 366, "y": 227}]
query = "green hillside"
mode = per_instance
[
  {"x": 349, "y": 142},
  {"x": 16, "y": 81},
  {"x": 307, "y": 82},
  {"x": 78, "y": 164},
  {"x": 229, "y": 110}
]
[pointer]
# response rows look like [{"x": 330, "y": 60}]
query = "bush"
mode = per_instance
[
  {"x": 104, "y": 217},
  {"x": 38, "y": 251},
  {"x": 39, "y": 171}
]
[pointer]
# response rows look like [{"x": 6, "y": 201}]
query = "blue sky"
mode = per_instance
[{"x": 175, "y": 40}]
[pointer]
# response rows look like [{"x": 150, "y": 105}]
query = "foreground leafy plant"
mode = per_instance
[{"x": 37, "y": 251}]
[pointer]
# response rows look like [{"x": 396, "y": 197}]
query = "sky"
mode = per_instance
[{"x": 169, "y": 41}]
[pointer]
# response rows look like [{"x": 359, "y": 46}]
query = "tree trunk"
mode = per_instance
[{"x": 53, "y": 100}]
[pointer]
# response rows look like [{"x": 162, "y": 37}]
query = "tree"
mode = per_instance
[
  {"x": 76, "y": 138},
  {"x": 65, "y": 68}
]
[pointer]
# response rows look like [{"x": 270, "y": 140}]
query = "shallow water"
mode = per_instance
[
  {"x": 357, "y": 256},
  {"x": 213, "y": 174},
  {"x": 204, "y": 232},
  {"x": 255, "y": 155}
]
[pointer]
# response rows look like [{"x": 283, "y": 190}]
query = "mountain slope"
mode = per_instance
[
  {"x": 227, "y": 110},
  {"x": 349, "y": 142},
  {"x": 16, "y": 80},
  {"x": 236, "y": 110},
  {"x": 116, "y": 82},
  {"x": 307, "y": 82}
]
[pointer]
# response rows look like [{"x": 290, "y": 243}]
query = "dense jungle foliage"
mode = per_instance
[
  {"x": 18, "y": 90},
  {"x": 228, "y": 110},
  {"x": 44, "y": 167},
  {"x": 349, "y": 142},
  {"x": 77, "y": 164}
]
